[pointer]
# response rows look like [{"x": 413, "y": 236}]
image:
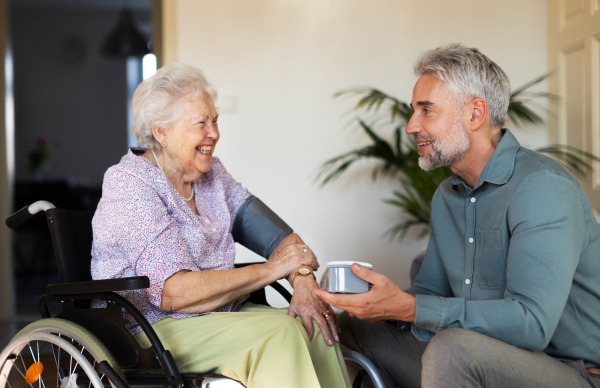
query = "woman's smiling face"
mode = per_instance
[{"x": 191, "y": 140}]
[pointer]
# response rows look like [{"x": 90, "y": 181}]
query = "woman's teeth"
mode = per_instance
[{"x": 204, "y": 149}]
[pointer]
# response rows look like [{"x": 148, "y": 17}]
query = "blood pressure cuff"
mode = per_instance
[{"x": 258, "y": 228}]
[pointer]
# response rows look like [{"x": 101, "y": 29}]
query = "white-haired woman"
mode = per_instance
[{"x": 170, "y": 211}]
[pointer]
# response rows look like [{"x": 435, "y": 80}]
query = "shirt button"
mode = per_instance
[
  {"x": 471, "y": 240},
  {"x": 468, "y": 281},
  {"x": 473, "y": 199}
]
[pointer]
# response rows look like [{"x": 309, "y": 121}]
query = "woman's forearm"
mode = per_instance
[{"x": 204, "y": 291}]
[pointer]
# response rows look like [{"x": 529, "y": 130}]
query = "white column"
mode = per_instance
[
  {"x": 6, "y": 168},
  {"x": 169, "y": 29}
]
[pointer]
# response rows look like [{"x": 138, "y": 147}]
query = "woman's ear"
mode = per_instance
[{"x": 159, "y": 133}]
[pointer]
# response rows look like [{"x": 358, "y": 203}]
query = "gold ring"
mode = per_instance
[{"x": 327, "y": 314}]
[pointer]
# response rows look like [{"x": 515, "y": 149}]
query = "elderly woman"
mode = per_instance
[{"x": 170, "y": 211}]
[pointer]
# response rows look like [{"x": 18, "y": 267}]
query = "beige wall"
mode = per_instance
[
  {"x": 280, "y": 62},
  {"x": 6, "y": 281}
]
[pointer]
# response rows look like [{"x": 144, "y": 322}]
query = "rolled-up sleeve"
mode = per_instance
[{"x": 547, "y": 228}]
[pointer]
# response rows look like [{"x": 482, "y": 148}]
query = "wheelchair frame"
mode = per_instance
[{"x": 126, "y": 364}]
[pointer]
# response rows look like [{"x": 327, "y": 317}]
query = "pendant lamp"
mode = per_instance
[{"x": 125, "y": 40}]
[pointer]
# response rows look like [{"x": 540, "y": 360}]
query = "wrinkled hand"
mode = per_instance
[
  {"x": 289, "y": 256},
  {"x": 385, "y": 300},
  {"x": 309, "y": 307}
]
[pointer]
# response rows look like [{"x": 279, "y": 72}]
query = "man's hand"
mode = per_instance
[
  {"x": 308, "y": 307},
  {"x": 385, "y": 300}
]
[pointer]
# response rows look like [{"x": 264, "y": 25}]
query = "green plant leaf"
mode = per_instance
[
  {"x": 399, "y": 160},
  {"x": 572, "y": 157}
]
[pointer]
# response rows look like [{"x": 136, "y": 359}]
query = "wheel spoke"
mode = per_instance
[
  {"x": 31, "y": 350},
  {"x": 57, "y": 366},
  {"x": 18, "y": 370},
  {"x": 72, "y": 372},
  {"x": 24, "y": 367},
  {"x": 75, "y": 368},
  {"x": 80, "y": 360},
  {"x": 37, "y": 344}
]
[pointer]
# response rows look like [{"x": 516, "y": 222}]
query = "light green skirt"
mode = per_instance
[{"x": 260, "y": 346}]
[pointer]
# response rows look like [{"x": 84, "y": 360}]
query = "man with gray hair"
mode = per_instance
[{"x": 508, "y": 294}]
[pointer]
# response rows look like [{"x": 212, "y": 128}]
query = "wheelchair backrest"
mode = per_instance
[{"x": 71, "y": 232}]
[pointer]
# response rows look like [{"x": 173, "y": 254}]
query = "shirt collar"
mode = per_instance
[{"x": 499, "y": 168}]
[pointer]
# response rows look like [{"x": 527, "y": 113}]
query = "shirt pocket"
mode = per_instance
[{"x": 490, "y": 261}]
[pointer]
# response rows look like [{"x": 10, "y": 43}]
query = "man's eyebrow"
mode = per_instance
[
  {"x": 216, "y": 117},
  {"x": 424, "y": 103}
]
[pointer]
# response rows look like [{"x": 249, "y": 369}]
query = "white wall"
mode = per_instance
[{"x": 282, "y": 60}]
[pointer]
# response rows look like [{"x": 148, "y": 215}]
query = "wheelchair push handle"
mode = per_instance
[{"x": 26, "y": 213}]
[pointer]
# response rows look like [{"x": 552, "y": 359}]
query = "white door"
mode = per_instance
[{"x": 574, "y": 53}]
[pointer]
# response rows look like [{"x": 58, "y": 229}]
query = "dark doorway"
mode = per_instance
[{"x": 71, "y": 118}]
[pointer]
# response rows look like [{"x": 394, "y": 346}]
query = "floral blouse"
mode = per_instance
[{"x": 143, "y": 227}]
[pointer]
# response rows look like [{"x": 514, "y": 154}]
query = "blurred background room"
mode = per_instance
[{"x": 276, "y": 65}]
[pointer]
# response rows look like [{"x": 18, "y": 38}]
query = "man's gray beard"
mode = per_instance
[{"x": 444, "y": 152}]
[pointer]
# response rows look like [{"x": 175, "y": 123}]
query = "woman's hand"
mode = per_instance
[
  {"x": 309, "y": 307},
  {"x": 290, "y": 255}
]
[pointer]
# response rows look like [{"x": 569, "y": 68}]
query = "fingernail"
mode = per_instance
[
  {"x": 337, "y": 339},
  {"x": 330, "y": 342}
]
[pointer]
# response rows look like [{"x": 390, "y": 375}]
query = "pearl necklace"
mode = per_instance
[{"x": 163, "y": 171}]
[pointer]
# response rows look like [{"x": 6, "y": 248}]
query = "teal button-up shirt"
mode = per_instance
[{"x": 517, "y": 258}]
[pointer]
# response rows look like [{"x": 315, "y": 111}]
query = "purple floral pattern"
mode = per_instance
[{"x": 143, "y": 227}]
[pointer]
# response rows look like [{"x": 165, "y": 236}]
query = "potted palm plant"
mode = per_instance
[{"x": 398, "y": 158}]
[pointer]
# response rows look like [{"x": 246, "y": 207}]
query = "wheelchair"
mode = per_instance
[{"x": 89, "y": 347}]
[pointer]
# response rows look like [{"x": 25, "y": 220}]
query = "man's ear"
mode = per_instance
[{"x": 477, "y": 113}]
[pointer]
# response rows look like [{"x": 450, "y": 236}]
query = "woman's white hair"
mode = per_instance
[
  {"x": 468, "y": 74},
  {"x": 160, "y": 99}
]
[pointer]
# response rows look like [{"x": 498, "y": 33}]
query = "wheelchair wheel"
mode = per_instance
[{"x": 54, "y": 353}]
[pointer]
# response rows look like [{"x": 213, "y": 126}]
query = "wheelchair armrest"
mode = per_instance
[
  {"x": 276, "y": 286},
  {"x": 105, "y": 285},
  {"x": 241, "y": 265}
]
